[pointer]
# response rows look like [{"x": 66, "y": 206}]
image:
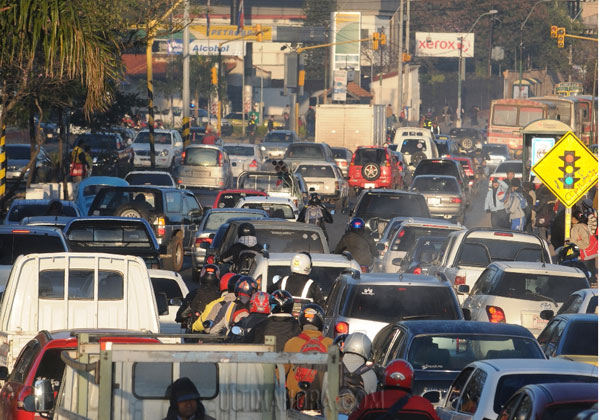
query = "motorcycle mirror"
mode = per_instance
[
  {"x": 276, "y": 278},
  {"x": 207, "y": 324},
  {"x": 237, "y": 331}
]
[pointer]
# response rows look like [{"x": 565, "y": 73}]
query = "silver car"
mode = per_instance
[
  {"x": 275, "y": 143},
  {"x": 205, "y": 166},
  {"x": 168, "y": 145},
  {"x": 342, "y": 158},
  {"x": 244, "y": 157},
  {"x": 498, "y": 153},
  {"x": 18, "y": 156},
  {"x": 445, "y": 198},
  {"x": 156, "y": 178},
  {"x": 325, "y": 179}
]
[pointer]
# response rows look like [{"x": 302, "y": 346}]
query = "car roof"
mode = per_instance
[
  {"x": 561, "y": 392},
  {"x": 315, "y": 163},
  {"x": 507, "y": 366},
  {"x": 148, "y": 172},
  {"x": 42, "y": 201},
  {"x": 434, "y": 176},
  {"x": 241, "y": 144},
  {"x": 306, "y": 143},
  {"x": 418, "y": 221},
  {"x": 388, "y": 192},
  {"x": 139, "y": 188},
  {"x": 499, "y": 234},
  {"x": 283, "y": 223},
  {"x": 463, "y": 327},
  {"x": 280, "y": 131},
  {"x": 538, "y": 267},
  {"x": 234, "y": 210},
  {"x": 579, "y": 317},
  {"x": 267, "y": 199},
  {"x": 204, "y": 146},
  {"x": 316, "y": 258},
  {"x": 392, "y": 279}
]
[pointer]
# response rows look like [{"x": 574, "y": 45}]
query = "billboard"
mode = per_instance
[
  {"x": 444, "y": 44},
  {"x": 199, "y": 47},
  {"x": 340, "y": 78},
  {"x": 345, "y": 27}
]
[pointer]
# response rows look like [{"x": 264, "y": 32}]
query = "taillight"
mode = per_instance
[
  {"x": 210, "y": 259},
  {"x": 417, "y": 270},
  {"x": 495, "y": 314},
  {"x": 456, "y": 200},
  {"x": 21, "y": 231},
  {"x": 183, "y": 155},
  {"x": 253, "y": 164},
  {"x": 337, "y": 185},
  {"x": 220, "y": 159},
  {"x": 401, "y": 233},
  {"x": 344, "y": 163},
  {"x": 160, "y": 222},
  {"x": 364, "y": 268},
  {"x": 342, "y": 327},
  {"x": 202, "y": 240},
  {"x": 460, "y": 280}
]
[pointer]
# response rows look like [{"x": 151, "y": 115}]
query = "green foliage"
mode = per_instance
[{"x": 318, "y": 13}]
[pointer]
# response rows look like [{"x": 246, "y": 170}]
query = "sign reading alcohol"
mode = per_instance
[{"x": 569, "y": 169}]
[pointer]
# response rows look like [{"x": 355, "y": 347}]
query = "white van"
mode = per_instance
[
  {"x": 415, "y": 144},
  {"x": 59, "y": 291}
]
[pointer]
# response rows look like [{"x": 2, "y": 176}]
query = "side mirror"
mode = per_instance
[
  {"x": 466, "y": 314},
  {"x": 372, "y": 224},
  {"x": 162, "y": 304},
  {"x": 42, "y": 399},
  {"x": 397, "y": 261},
  {"x": 175, "y": 302},
  {"x": 433, "y": 397},
  {"x": 547, "y": 314},
  {"x": 463, "y": 289},
  {"x": 380, "y": 246},
  {"x": 237, "y": 331},
  {"x": 3, "y": 373}
]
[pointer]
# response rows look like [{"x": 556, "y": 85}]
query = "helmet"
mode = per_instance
[
  {"x": 245, "y": 287},
  {"x": 259, "y": 303},
  {"x": 312, "y": 314},
  {"x": 246, "y": 229},
  {"x": 314, "y": 200},
  {"x": 478, "y": 145},
  {"x": 358, "y": 343},
  {"x": 357, "y": 225},
  {"x": 281, "y": 302},
  {"x": 398, "y": 373},
  {"x": 210, "y": 274},
  {"x": 301, "y": 264},
  {"x": 567, "y": 253},
  {"x": 224, "y": 282}
]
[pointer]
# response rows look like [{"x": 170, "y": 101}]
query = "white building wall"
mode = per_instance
[{"x": 388, "y": 94}]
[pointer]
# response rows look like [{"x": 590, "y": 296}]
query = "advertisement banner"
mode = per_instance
[
  {"x": 539, "y": 147},
  {"x": 225, "y": 32},
  {"x": 199, "y": 47},
  {"x": 345, "y": 27},
  {"x": 340, "y": 78},
  {"x": 444, "y": 44}
]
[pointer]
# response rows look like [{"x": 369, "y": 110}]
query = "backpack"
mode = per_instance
[
  {"x": 313, "y": 215},
  {"x": 352, "y": 389},
  {"x": 314, "y": 344}
]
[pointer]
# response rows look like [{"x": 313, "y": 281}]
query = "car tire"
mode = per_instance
[
  {"x": 133, "y": 210},
  {"x": 371, "y": 171},
  {"x": 467, "y": 143},
  {"x": 174, "y": 262},
  {"x": 416, "y": 158}
]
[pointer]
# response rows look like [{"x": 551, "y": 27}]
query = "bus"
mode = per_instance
[
  {"x": 568, "y": 88},
  {"x": 587, "y": 106},
  {"x": 508, "y": 116},
  {"x": 566, "y": 110}
]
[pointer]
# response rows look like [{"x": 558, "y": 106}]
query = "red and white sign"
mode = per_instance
[{"x": 444, "y": 44}]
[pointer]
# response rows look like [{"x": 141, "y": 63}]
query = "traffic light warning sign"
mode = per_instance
[{"x": 569, "y": 169}]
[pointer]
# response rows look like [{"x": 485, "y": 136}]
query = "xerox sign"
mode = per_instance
[{"x": 444, "y": 44}]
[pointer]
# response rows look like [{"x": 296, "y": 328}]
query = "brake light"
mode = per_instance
[
  {"x": 202, "y": 240},
  {"x": 503, "y": 234},
  {"x": 344, "y": 163},
  {"x": 183, "y": 155},
  {"x": 337, "y": 185},
  {"x": 342, "y": 327},
  {"x": 456, "y": 200},
  {"x": 179, "y": 181},
  {"x": 296, "y": 202},
  {"x": 160, "y": 222},
  {"x": 417, "y": 270},
  {"x": 220, "y": 159},
  {"x": 21, "y": 231},
  {"x": 401, "y": 233},
  {"x": 210, "y": 259},
  {"x": 495, "y": 314},
  {"x": 253, "y": 164},
  {"x": 460, "y": 280}
]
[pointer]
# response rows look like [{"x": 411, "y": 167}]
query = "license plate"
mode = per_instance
[
  {"x": 434, "y": 200},
  {"x": 533, "y": 320},
  {"x": 369, "y": 185}
]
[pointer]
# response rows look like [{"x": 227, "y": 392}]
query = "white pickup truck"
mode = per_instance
[{"x": 58, "y": 291}]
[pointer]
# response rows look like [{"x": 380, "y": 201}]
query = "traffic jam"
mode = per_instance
[{"x": 355, "y": 260}]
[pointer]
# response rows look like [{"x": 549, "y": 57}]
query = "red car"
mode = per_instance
[
  {"x": 229, "y": 198},
  {"x": 374, "y": 167}
]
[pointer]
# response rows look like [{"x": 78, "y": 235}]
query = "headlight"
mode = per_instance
[
  {"x": 164, "y": 152},
  {"x": 263, "y": 148}
]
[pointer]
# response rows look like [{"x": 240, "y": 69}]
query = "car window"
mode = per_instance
[
  {"x": 143, "y": 137},
  {"x": 174, "y": 202},
  {"x": 190, "y": 204},
  {"x": 324, "y": 276},
  {"x": 167, "y": 286},
  {"x": 547, "y": 333},
  {"x": 382, "y": 344},
  {"x": 592, "y": 306},
  {"x": 436, "y": 168},
  {"x": 575, "y": 343},
  {"x": 395, "y": 348},
  {"x": 290, "y": 240},
  {"x": 572, "y": 305},
  {"x": 81, "y": 284},
  {"x": 332, "y": 298},
  {"x": 278, "y": 137},
  {"x": 274, "y": 210},
  {"x": 480, "y": 252},
  {"x": 239, "y": 150},
  {"x": 216, "y": 219},
  {"x": 20, "y": 211},
  {"x": 472, "y": 393},
  {"x": 366, "y": 155},
  {"x": 524, "y": 408},
  {"x": 410, "y": 146},
  {"x": 84, "y": 237},
  {"x": 315, "y": 171},
  {"x": 18, "y": 152},
  {"x": 149, "y": 179},
  {"x": 484, "y": 284},
  {"x": 304, "y": 151},
  {"x": 25, "y": 362},
  {"x": 566, "y": 410},
  {"x": 340, "y": 154},
  {"x": 387, "y": 206},
  {"x": 435, "y": 184},
  {"x": 504, "y": 167},
  {"x": 456, "y": 388},
  {"x": 201, "y": 156},
  {"x": 537, "y": 287},
  {"x": 267, "y": 183},
  {"x": 406, "y": 236},
  {"x": 108, "y": 200},
  {"x": 14, "y": 244}
]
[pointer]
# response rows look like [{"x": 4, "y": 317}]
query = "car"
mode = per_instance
[
  {"x": 174, "y": 289},
  {"x": 498, "y": 153},
  {"x": 275, "y": 144},
  {"x": 114, "y": 235},
  {"x": 173, "y": 214},
  {"x": 212, "y": 220},
  {"x": 18, "y": 157},
  {"x": 415, "y": 145},
  {"x": 503, "y": 168},
  {"x": 550, "y": 401},
  {"x": 244, "y": 157},
  {"x": 467, "y": 253},
  {"x": 275, "y": 207},
  {"x": 168, "y": 146},
  {"x": 21, "y": 208},
  {"x": 307, "y": 152},
  {"x": 465, "y": 137},
  {"x": 378, "y": 206},
  {"x": 156, "y": 178},
  {"x": 284, "y": 185},
  {"x": 571, "y": 336},
  {"x": 374, "y": 167},
  {"x": 235, "y": 118},
  {"x": 439, "y": 350},
  {"x": 443, "y": 146},
  {"x": 368, "y": 302},
  {"x": 407, "y": 232},
  {"x": 89, "y": 187},
  {"x": 516, "y": 292},
  {"x": 229, "y": 198},
  {"x": 342, "y": 157},
  {"x": 445, "y": 167},
  {"x": 420, "y": 255},
  {"x": 111, "y": 155},
  {"x": 584, "y": 301},
  {"x": 205, "y": 166},
  {"x": 327, "y": 180},
  {"x": 384, "y": 239},
  {"x": 19, "y": 240},
  {"x": 444, "y": 195},
  {"x": 483, "y": 387},
  {"x": 468, "y": 166}
]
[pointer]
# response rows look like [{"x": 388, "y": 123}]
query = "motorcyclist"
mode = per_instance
[
  {"x": 299, "y": 283},
  {"x": 197, "y": 299},
  {"x": 246, "y": 241},
  {"x": 227, "y": 287},
  {"x": 569, "y": 255},
  {"x": 259, "y": 312},
  {"x": 395, "y": 398},
  {"x": 233, "y": 311},
  {"x": 358, "y": 243},
  {"x": 280, "y": 324},
  {"x": 480, "y": 157},
  {"x": 315, "y": 213}
]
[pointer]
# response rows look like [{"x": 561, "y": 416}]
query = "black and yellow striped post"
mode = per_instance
[
  {"x": 186, "y": 131},
  {"x": 2, "y": 162},
  {"x": 150, "y": 102}
]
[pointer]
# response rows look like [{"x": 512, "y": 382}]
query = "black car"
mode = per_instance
[
  {"x": 444, "y": 167},
  {"x": 465, "y": 137},
  {"x": 174, "y": 215},
  {"x": 111, "y": 155},
  {"x": 114, "y": 235},
  {"x": 439, "y": 350}
]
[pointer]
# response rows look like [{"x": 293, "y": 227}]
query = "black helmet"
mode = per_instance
[
  {"x": 281, "y": 302},
  {"x": 232, "y": 282},
  {"x": 312, "y": 314},
  {"x": 314, "y": 200},
  {"x": 567, "y": 253},
  {"x": 245, "y": 287},
  {"x": 246, "y": 229},
  {"x": 210, "y": 274}
]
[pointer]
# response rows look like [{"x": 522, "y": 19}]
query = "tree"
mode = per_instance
[{"x": 318, "y": 13}]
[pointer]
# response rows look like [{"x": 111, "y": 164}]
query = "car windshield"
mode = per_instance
[
  {"x": 455, "y": 351},
  {"x": 229, "y": 200},
  {"x": 150, "y": 179},
  {"x": 574, "y": 343},
  {"x": 108, "y": 201},
  {"x": 99, "y": 141},
  {"x": 315, "y": 171},
  {"x": 143, "y": 137},
  {"x": 504, "y": 167},
  {"x": 339, "y": 153},
  {"x": 386, "y": 206},
  {"x": 18, "y": 152},
  {"x": 366, "y": 155},
  {"x": 435, "y": 184},
  {"x": 275, "y": 210},
  {"x": 407, "y": 235},
  {"x": 324, "y": 276},
  {"x": 87, "y": 237},
  {"x": 304, "y": 151},
  {"x": 411, "y": 146},
  {"x": 480, "y": 252},
  {"x": 537, "y": 287},
  {"x": 216, "y": 219},
  {"x": 239, "y": 150},
  {"x": 20, "y": 211},
  {"x": 202, "y": 156},
  {"x": 509, "y": 384},
  {"x": 266, "y": 183},
  {"x": 496, "y": 149},
  {"x": 391, "y": 303},
  {"x": 424, "y": 250},
  {"x": 279, "y": 138},
  {"x": 14, "y": 244},
  {"x": 290, "y": 240},
  {"x": 437, "y": 167}
]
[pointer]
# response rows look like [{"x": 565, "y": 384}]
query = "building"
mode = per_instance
[{"x": 387, "y": 92}]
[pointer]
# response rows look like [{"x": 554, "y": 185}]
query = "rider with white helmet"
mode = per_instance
[{"x": 299, "y": 283}]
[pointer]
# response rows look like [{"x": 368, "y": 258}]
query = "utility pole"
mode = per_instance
[
  {"x": 400, "y": 58},
  {"x": 185, "y": 95},
  {"x": 490, "y": 46},
  {"x": 407, "y": 49}
]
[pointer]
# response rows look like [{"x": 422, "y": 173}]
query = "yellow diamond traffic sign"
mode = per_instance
[{"x": 569, "y": 169}]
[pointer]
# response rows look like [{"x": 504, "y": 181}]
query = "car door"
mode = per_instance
[
  {"x": 191, "y": 218},
  {"x": 333, "y": 302},
  {"x": 475, "y": 301},
  {"x": 448, "y": 409}
]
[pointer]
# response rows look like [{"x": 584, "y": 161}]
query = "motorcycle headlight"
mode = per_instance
[{"x": 164, "y": 152}]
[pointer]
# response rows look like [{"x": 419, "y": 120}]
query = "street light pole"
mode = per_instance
[{"x": 521, "y": 43}]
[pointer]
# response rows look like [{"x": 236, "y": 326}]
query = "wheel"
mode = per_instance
[
  {"x": 174, "y": 261},
  {"x": 371, "y": 171},
  {"x": 467, "y": 143},
  {"x": 416, "y": 158},
  {"x": 133, "y": 209}
]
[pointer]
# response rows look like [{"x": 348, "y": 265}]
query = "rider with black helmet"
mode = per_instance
[
  {"x": 315, "y": 213},
  {"x": 260, "y": 308},
  {"x": 246, "y": 241},
  {"x": 280, "y": 323},
  {"x": 233, "y": 311},
  {"x": 358, "y": 243},
  {"x": 198, "y": 298}
]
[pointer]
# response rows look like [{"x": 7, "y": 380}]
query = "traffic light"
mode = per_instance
[
  {"x": 214, "y": 79},
  {"x": 560, "y": 33},
  {"x": 553, "y": 31},
  {"x": 375, "y": 41},
  {"x": 382, "y": 39},
  {"x": 259, "y": 33},
  {"x": 569, "y": 169}
]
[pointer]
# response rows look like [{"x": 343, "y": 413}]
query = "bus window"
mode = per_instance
[
  {"x": 505, "y": 115},
  {"x": 529, "y": 114}
]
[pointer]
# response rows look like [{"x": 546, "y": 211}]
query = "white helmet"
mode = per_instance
[
  {"x": 478, "y": 145},
  {"x": 358, "y": 343},
  {"x": 301, "y": 264}
]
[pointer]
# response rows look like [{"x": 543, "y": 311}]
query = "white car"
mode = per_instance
[
  {"x": 156, "y": 178},
  {"x": 168, "y": 146},
  {"x": 516, "y": 292},
  {"x": 276, "y": 207},
  {"x": 172, "y": 285},
  {"x": 584, "y": 301},
  {"x": 414, "y": 144},
  {"x": 483, "y": 387},
  {"x": 244, "y": 157},
  {"x": 326, "y": 179}
]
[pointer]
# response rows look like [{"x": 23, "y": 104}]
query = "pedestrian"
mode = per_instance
[
  {"x": 358, "y": 243},
  {"x": 310, "y": 122},
  {"x": 544, "y": 211},
  {"x": 286, "y": 121},
  {"x": 79, "y": 165},
  {"x": 389, "y": 115},
  {"x": 580, "y": 232},
  {"x": 530, "y": 197},
  {"x": 474, "y": 115},
  {"x": 505, "y": 184},
  {"x": 494, "y": 205},
  {"x": 514, "y": 203},
  {"x": 446, "y": 114},
  {"x": 185, "y": 401},
  {"x": 209, "y": 135},
  {"x": 271, "y": 123}
]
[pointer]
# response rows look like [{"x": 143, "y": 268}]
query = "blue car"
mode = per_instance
[{"x": 89, "y": 187}]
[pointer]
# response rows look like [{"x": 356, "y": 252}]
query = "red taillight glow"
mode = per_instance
[
  {"x": 160, "y": 230},
  {"x": 202, "y": 240},
  {"x": 210, "y": 259},
  {"x": 417, "y": 270},
  {"x": 342, "y": 328},
  {"x": 460, "y": 280},
  {"x": 220, "y": 159},
  {"x": 183, "y": 155},
  {"x": 456, "y": 200},
  {"x": 495, "y": 314},
  {"x": 401, "y": 233},
  {"x": 253, "y": 164},
  {"x": 344, "y": 163},
  {"x": 503, "y": 234},
  {"x": 21, "y": 231}
]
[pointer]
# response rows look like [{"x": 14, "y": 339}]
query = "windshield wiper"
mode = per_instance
[
  {"x": 548, "y": 298},
  {"x": 404, "y": 318}
]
